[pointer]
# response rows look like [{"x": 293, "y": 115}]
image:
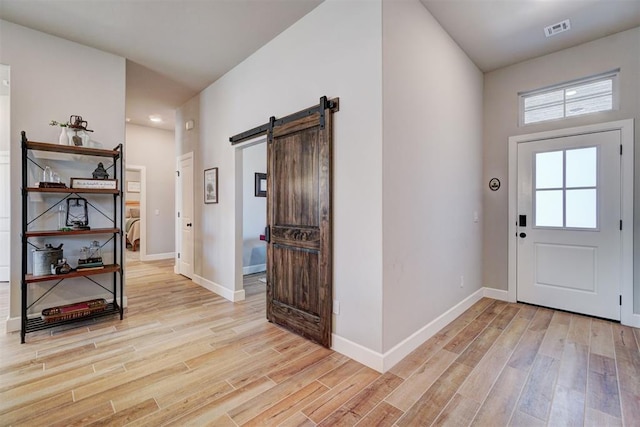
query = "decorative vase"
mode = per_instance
[
  {"x": 63, "y": 139},
  {"x": 84, "y": 136}
]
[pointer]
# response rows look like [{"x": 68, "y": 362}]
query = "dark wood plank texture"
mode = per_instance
[{"x": 299, "y": 277}]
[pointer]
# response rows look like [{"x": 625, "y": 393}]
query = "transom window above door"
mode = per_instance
[
  {"x": 585, "y": 96},
  {"x": 566, "y": 188}
]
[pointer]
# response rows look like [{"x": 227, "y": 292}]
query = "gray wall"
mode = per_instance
[
  {"x": 432, "y": 147},
  {"x": 154, "y": 149},
  {"x": 300, "y": 66},
  {"x": 501, "y": 89}
]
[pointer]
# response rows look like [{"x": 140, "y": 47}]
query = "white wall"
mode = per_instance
[
  {"x": 46, "y": 74},
  {"x": 4, "y": 109},
  {"x": 336, "y": 51},
  {"x": 131, "y": 176},
  {"x": 432, "y": 170},
  {"x": 501, "y": 89},
  {"x": 154, "y": 148},
  {"x": 254, "y": 159}
]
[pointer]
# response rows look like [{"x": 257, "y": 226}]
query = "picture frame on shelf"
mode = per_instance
[
  {"x": 261, "y": 184},
  {"x": 211, "y": 185},
  {"x": 94, "y": 184}
]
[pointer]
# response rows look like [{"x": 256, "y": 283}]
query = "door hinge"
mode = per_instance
[
  {"x": 621, "y": 149},
  {"x": 178, "y": 255},
  {"x": 178, "y": 214},
  {"x": 620, "y": 299},
  {"x": 178, "y": 172},
  {"x": 620, "y": 224}
]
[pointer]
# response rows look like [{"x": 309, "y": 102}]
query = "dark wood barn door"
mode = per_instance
[{"x": 299, "y": 274}]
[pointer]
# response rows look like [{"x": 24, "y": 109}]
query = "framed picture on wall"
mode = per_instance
[
  {"x": 211, "y": 185},
  {"x": 133, "y": 186},
  {"x": 261, "y": 185}
]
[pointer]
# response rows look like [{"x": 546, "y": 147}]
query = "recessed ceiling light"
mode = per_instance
[{"x": 155, "y": 119}]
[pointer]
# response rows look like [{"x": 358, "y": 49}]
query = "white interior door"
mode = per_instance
[
  {"x": 569, "y": 253},
  {"x": 4, "y": 216},
  {"x": 185, "y": 215}
]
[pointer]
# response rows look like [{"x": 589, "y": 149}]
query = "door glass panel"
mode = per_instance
[
  {"x": 581, "y": 208},
  {"x": 549, "y": 208},
  {"x": 549, "y": 170},
  {"x": 582, "y": 167}
]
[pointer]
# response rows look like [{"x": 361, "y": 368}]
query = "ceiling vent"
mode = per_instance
[{"x": 560, "y": 27}]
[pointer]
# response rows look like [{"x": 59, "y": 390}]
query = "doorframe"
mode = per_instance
[
  {"x": 143, "y": 207},
  {"x": 5, "y": 158},
  {"x": 627, "y": 137},
  {"x": 178, "y": 208}
]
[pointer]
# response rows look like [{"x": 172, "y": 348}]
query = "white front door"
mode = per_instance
[
  {"x": 185, "y": 215},
  {"x": 4, "y": 216},
  {"x": 569, "y": 252}
]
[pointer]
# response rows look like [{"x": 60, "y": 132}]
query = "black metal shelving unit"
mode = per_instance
[{"x": 116, "y": 306}]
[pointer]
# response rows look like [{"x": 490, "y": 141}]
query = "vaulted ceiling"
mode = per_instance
[{"x": 174, "y": 49}]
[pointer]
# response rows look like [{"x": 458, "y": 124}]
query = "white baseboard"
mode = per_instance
[
  {"x": 14, "y": 324},
  {"x": 402, "y": 349},
  {"x": 158, "y": 257},
  {"x": 384, "y": 362},
  {"x": 225, "y": 293},
  {"x": 498, "y": 294},
  {"x": 634, "y": 321},
  {"x": 251, "y": 269},
  {"x": 359, "y": 353}
]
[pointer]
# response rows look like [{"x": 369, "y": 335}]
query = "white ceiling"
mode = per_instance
[
  {"x": 497, "y": 33},
  {"x": 176, "y": 48}
]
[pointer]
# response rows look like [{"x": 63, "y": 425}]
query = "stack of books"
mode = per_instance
[{"x": 90, "y": 264}]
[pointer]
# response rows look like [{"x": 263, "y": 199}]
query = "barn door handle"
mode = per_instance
[
  {"x": 267, "y": 234},
  {"x": 523, "y": 235}
]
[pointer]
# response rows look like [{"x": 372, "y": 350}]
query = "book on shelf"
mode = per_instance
[{"x": 90, "y": 266}]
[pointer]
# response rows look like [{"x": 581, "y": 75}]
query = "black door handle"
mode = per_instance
[
  {"x": 189, "y": 224},
  {"x": 267, "y": 234},
  {"x": 523, "y": 235}
]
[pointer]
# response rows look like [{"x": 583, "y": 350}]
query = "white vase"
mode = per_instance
[{"x": 63, "y": 139}]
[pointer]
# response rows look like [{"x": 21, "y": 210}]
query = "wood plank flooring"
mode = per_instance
[{"x": 184, "y": 356}]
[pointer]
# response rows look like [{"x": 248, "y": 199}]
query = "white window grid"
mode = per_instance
[{"x": 599, "y": 93}]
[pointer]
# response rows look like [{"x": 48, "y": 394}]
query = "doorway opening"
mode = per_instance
[
  {"x": 135, "y": 211},
  {"x": 251, "y": 204}
]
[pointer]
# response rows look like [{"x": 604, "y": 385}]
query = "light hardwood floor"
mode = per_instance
[{"x": 184, "y": 356}]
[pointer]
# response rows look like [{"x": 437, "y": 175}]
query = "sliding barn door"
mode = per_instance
[{"x": 299, "y": 285}]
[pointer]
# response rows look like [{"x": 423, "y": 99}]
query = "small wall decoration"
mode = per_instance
[
  {"x": 211, "y": 185},
  {"x": 261, "y": 185},
  {"x": 494, "y": 184},
  {"x": 133, "y": 186}
]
